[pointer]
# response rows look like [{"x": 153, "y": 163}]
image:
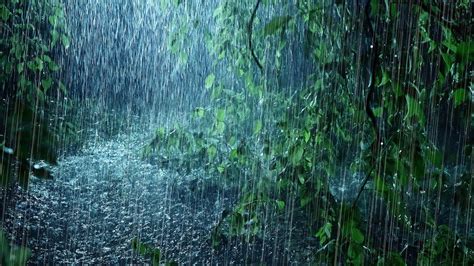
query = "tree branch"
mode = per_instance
[
  {"x": 250, "y": 31},
  {"x": 370, "y": 95}
]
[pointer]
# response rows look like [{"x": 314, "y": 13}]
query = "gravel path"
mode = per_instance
[{"x": 104, "y": 196}]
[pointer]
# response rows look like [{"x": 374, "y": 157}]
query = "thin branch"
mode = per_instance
[
  {"x": 364, "y": 183},
  {"x": 250, "y": 31},
  {"x": 370, "y": 95}
]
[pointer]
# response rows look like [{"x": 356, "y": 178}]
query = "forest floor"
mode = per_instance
[{"x": 105, "y": 195}]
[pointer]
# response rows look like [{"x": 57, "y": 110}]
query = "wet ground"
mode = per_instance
[{"x": 106, "y": 195}]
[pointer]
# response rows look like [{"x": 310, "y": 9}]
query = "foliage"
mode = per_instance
[
  {"x": 12, "y": 255},
  {"x": 153, "y": 253},
  {"x": 371, "y": 100},
  {"x": 32, "y": 94},
  {"x": 446, "y": 248}
]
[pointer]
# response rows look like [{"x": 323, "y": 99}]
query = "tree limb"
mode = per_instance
[
  {"x": 250, "y": 31},
  {"x": 370, "y": 95}
]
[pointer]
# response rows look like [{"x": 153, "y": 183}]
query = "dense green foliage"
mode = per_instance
[
  {"x": 12, "y": 255},
  {"x": 384, "y": 78},
  {"x": 32, "y": 94},
  {"x": 31, "y": 33}
]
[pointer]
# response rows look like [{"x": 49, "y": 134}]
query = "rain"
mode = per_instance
[{"x": 225, "y": 132}]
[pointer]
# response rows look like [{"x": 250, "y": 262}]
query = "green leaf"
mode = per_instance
[
  {"x": 297, "y": 154},
  {"x": 220, "y": 115},
  {"x": 301, "y": 179},
  {"x": 53, "y": 20},
  {"x": 357, "y": 235},
  {"x": 257, "y": 127},
  {"x": 221, "y": 168},
  {"x": 280, "y": 204},
  {"x": 385, "y": 79},
  {"x": 62, "y": 87},
  {"x": 199, "y": 112},
  {"x": 211, "y": 152},
  {"x": 275, "y": 24},
  {"x": 378, "y": 111},
  {"x": 450, "y": 45},
  {"x": 324, "y": 233},
  {"x": 210, "y": 81},
  {"x": 393, "y": 258},
  {"x": 65, "y": 41},
  {"x": 4, "y": 13},
  {"x": 20, "y": 67},
  {"x": 307, "y": 136},
  {"x": 414, "y": 109},
  {"x": 54, "y": 37},
  {"x": 220, "y": 127},
  {"x": 459, "y": 97},
  {"x": 465, "y": 50},
  {"x": 46, "y": 84}
]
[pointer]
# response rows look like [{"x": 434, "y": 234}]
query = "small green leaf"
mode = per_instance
[
  {"x": 280, "y": 204},
  {"x": 307, "y": 136},
  {"x": 199, "y": 112},
  {"x": 65, "y": 41},
  {"x": 324, "y": 233},
  {"x": 257, "y": 127},
  {"x": 385, "y": 79},
  {"x": 414, "y": 109},
  {"x": 53, "y": 20},
  {"x": 220, "y": 115},
  {"x": 459, "y": 97},
  {"x": 301, "y": 179},
  {"x": 46, "y": 84},
  {"x": 211, "y": 152},
  {"x": 378, "y": 111},
  {"x": 210, "y": 81},
  {"x": 221, "y": 168},
  {"x": 54, "y": 37}
]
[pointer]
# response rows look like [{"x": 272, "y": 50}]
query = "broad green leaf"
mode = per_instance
[
  {"x": 280, "y": 204},
  {"x": 297, "y": 154},
  {"x": 20, "y": 67},
  {"x": 220, "y": 115},
  {"x": 4, "y": 12},
  {"x": 324, "y": 233},
  {"x": 46, "y": 84},
  {"x": 378, "y": 111},
  {"x": 275, "y": 24},
  {"x": 53, "y": 20},
  {"x": 54, "y": 37},
  {"x": 465, "y": 50},
  {"x": 301, "y": 179},
  {"x": 257, "y": 127},
  {"x": 414, "y": 109},
  {"x": 357, "y": 235},
  {"x": 307, "y": 136},
  {"x": 459, "y": 97},
  {"x": 209, "y": 82},
  {"x": 220, "y": 127}
]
